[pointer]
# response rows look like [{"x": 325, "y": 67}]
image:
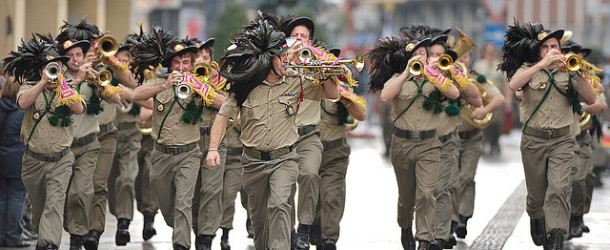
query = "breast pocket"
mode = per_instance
[
  {"x": 165, "y": 96},
  {"x": 252, "y": 110}
]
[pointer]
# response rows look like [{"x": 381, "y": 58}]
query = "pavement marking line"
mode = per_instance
[{"x": 501, "y": 226}]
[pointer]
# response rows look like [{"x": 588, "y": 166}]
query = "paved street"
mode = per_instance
[{"x": 370, "y": 216}]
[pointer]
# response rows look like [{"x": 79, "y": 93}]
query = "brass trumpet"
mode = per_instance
[
  {"x": 107, "y": 46},
  {"x": 104, "y": 78},
  {"x": 416, "y": 67},
  {"x": 573, "y": 62},
  {"x": 52, "y": 71},
  {"x": 445, "y": 62}
]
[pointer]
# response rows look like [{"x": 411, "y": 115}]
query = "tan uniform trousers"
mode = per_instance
[
  {"x": 309, "y": 148},
  {"x": 454, "y": 185},
  {"x": 579, "y": 173},
  {"x": 97, "y": 216},
  {"x": 79, "y": 198},
  {"x": 471, "y": 149},
  {"x": 232, "y": 185},
  {"x": 547, "y": 177},
  {"x": 268, "y": 185},
  {"x": 415, "y": 164},
  {"x": 146, "y": 199},
  {"x": 447, "y": 168},
  {"x": 173, "y": 180},
  {"x": 47, "y": 184},
  {"x": 207, "y": 201},
  {"x": 124, "y": 172},
  {"x": 332, "y": 190}
]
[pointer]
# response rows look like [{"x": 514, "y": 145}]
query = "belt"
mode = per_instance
[
  {"x": 582, "y": 134},
  {"x": 126, "y": 125},
  {"x": 48, "y": 157},
  {"x": 268, "y": 155},
  {"x": 328, "y": 145},
  {"x": 106, "y": 127},
  {"x": 306, "y": 129},
  {"x": 446, "y": 137},
  {"x": 175, "y": 149},
  {"x": 205, "y": 129},
  {"x": 467, "y": 134},
  {"x": 82, "y": 141},
  {"x": 414, "y": 134},
  {"x": 234, "y": 151},
  {"x": 547, "y": 133}
]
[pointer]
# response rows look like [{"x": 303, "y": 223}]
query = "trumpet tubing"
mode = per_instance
[{"x": 125, "y": 106}]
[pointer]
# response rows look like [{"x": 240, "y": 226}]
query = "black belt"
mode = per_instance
[
  {"x": 306, "y": 129},
  {"x": 582, "y": 135},
  {"x": 414, "y": 134},
  {"x": 328, "y": 145},
  {"x": 175, "y": 149},
  {"x": 268, "y": 155},
  {"x": 547, "y": 133},
  {"x": 126, "y": 125},
  {"x": 234, "y": 151},
  {"x": 48, "y": 157},
  {"x": 446, "y": 137},
  {"x": 467, "y": 134},
  {"x": 106, "y": 127},
  {"x": 77, "y": 142},
  {"x": 205, "y": 129}
]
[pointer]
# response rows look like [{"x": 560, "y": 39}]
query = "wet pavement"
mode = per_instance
[{"x": 369, "y": 222}]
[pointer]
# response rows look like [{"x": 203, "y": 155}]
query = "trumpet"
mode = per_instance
[
  {"x": 104, "y": 78},
  {"x": 107, "y": 46},
  {"x": 445, "y": 62},
  {"x": 573, "y": 62},
  {"x": 53, "y": 71},
  {"x": 125, "y": 106},
  {"x": 183, "y": 90},
  {"x": 416, "y": 67}
]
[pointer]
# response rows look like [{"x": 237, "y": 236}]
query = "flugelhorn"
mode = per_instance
[
  {"x": 203, "y": 70},
  {"x": 52, "y": 71}
]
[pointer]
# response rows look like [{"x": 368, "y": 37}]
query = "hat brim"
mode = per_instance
[
  {"x": 440, "y": 39},
  {"x": 62, "y": 59},
  {"x": 423, "y": 43},
  {"x": 84, "y": 44},
  {"x": 586, "y": 52},
  {"x": 167, "y": 61},
  {"x": 558, "y": 34},
  {"x": 335, "y": 51},
  {"x": 452, "y": 54},
  {"x": 306, "y": 21},
  {"x": 208, "y": 43}
]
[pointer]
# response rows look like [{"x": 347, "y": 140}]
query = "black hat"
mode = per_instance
[
  {"x": 207, "y": 44},
  {"x": 412, "y": 46},
  {"x": 306, "y": 21},
  {"x": 545, "y": 35},
  {"x": 182, "y": 47},
  {"x": 335, "y": 51},
  {"x": 32, "y": 56},
  {"x": 153, "y": 48},
  {"x": 73, "y": 43}
]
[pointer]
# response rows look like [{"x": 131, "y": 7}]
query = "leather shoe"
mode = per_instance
[
  {"x": 47, "y": 247},
  {"x": 224, "y": 239},
  {"x": 122, "y": 232},
  {"x": 538, "y": 231},
  {"x": 302, "y": 237},
  {"x": 180, "y": 247},
  {"x": 585, "y": 228},
  {"x": 575, "y": 227},
  {"x": 76, "y": 242},
  {"x": 450, "y": 243},
  {"x": 407, "y": 240},
  {"x": 21, "y": 243},
  {"x": 555, "y": 241},
  {"x": 437, "y": 244},
  {"x": 92, "y": 240},
  {"x": 460, "y": 228},
  {"x": 249, "y": 228},
  {"x": 329, "y": 245},
  {"x": 315, "y": 235},
  {"x": 149, "y": 229},
  {"x": 423, "y": 245},
  {"x": 204, "y": 243}
]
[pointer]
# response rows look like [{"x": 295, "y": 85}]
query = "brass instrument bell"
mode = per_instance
[
  {"x": 104, "y": 78},
  {"x": 107, "y": 47},
  {"x": 416, "y": 67},
  {"x": 52, "y": 71},
  {"x": 573, "y": 62},
  {"x": 463, "y": 44},
  {"x": 445, "y": 62}
]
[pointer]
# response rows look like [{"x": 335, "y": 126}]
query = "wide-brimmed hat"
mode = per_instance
[
  {"x": 207, "y": 44},
  {"x": 177, "y": 50},
  {"x": 414, "y": 45},
  {"x": 545, "y": 35},
  {"x": 306, "y": 21},
  {"x": 67, "y": 45}
]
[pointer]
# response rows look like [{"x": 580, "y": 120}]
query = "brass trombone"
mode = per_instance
[{"x": 316, "y": 65}]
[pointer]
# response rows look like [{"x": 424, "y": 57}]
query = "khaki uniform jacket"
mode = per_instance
[
  {"x": 330, "y": 129},
  {"x": 416, "y": 118}
]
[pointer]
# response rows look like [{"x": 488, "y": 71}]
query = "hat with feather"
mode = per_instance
[
  {"x": 250, "y": 62},
  {"x": 81, "y": 31},
  {"x": 570, "y": 45},
  {"x": 521, "y": 45},
  {"x": 31, "y": 56},
  {"x": 153, "y": 49}
]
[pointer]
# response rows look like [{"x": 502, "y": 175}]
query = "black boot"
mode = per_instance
[
  {"x": 204, "y": 243},
  {"x": 575, "y": 227},
  {"x": 329, "y": 245},
  {"x": 76, "y": 242},
  {"x": 423, "y": 245},
  {"x": 538, "y": 231},
  {"x": 302, "y": 237},
  {"x": 92, "y": 240},
  {"x": 122, "y": 232},
  {"x": 180, "y": 247},
  {"x": 585, "y": 228},
  {"x": 460, "y": 228},
  {"x": 556, "y": 241},
  {"x": 449, "y": 244},
  {"x": 47, "y": 247},
  {"x": 149, "y": 229},
  {"x": 407, "y": 240},
  {"x": 437, "y": 244},
  {"x": 224, "y": 239},
  {"x": 249, "y": 228},
  {"x": 315, "y": 235}
]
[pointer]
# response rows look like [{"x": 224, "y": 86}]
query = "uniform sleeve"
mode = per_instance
[
  {"x": 23, "y": 89},
  {"x": 154, "y": 81},
  {"x": 491, "y": 89},
  {"x": 229, "y": 107}
]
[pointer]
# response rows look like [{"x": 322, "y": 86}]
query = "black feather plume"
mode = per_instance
[
  {"x": 81, "y": 31},
  {"x": 387, "y": 58},
  {"x": 520, "y": 46},
  {"x": 150, "y": 50},
  {"x": 25, "y": 63}
]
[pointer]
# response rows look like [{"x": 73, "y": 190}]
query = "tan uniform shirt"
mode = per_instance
[
  {"x": 84, "y": 123},
  {"x": 174, "y": 131},
  {"x": 491, "y": 92},
  {"x": 448, "y": 124},
  {"x": 46, "y": 138},
  {"x": 330, "y": 129},
  {"x": 555, "y": 112},
  {"x": 124, "y": 117},
  {"x": 209, "y": 114},
  {"x": 108, "y": 114},
  {"x": 416, "y": 118},
  {"x": 232, "y": 137},
  {"x": 309, "y": 110},
  {"x": 264, "y": 119}
]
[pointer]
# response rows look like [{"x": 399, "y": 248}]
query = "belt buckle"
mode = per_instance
[
  {"x": 549, "y": 133},
  {"x": 415, "y": 135}
]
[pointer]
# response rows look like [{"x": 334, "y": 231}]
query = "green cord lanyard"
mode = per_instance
[
  {"x": 326, "y": 111},
  {"x": 47, "y": 108},
  {"x": 546, "y": 94},
  {"x": 419, "y": 93}
]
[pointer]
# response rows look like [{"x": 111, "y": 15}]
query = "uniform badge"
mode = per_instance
[
  {"x": 249, "y": 113},
  {"x": 68, "y": 44},
  {"x": 542, "y": 35},
  {"x": 178, "y": 47},
  {"x": 409, "y": 47},
  {"x": 289, "y": 110},
  {"x": 36, "y": 116},
  {"x": 49, "y": 57},
  {"x": 542, "y": 86},
  {"x": 160, "y": 107}
]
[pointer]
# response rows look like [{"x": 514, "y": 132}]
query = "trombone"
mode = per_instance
[{"x": 335, "y": 67}]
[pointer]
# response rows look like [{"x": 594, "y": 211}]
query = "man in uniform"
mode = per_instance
[
  {"x": 547, "y": 140},
  {"x": 47, "y": 134},
  {"x": 266, "y": 102},
  {"x": 175, "y": 128}
]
